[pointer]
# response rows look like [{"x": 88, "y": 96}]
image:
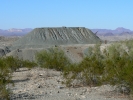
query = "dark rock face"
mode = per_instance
[
  {"x": 4, "y": 51},
  {"x": 46, "y": 37}
]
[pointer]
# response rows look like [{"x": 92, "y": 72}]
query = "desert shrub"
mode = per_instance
[
  {"x": 129, "y": 44},
  {"x": 54, "y": 58},
  {"x": 12, "y": 63},
  {"x": 88, "y": 71},
  {"x": 5, "y": 78},
  {"x": 114, "y": 66},
  {"x": 15, "y": 63},
  {"x": 71, "y": 73},
  {"x": 7, "y": 66},
  {"x": 28, "y": 64},
  {"x": 118, "y": 66}
]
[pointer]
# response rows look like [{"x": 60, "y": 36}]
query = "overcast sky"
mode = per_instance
[{"x": 104, "y": 14}]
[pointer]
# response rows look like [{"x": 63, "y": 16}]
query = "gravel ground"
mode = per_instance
[{"x": 42, "y": 84}]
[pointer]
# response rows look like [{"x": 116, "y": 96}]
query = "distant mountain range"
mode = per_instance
[
  {"x": 100, "y": 32},
  {"x": 14, "y": 32},
  {"x": 108, "y": 32}
]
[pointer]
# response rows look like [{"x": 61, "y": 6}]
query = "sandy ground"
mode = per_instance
[{"x": 43, "y": 84}]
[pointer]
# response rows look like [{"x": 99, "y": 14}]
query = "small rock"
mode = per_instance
[
  {"x": 69, "y": 94},
  {"x": 40, "y": 86},
  {"x": 50, "y": 93},
  {"x": 40, "y": 74},
  {"x": 84, "y": 91},
  {"x": 60, "y": 87},
  {"x": 19, "y": 91},
  {"x": 81, "y": 93},
  {"x": 58, "y": 81},
  {"x": 83, "y": 96}
]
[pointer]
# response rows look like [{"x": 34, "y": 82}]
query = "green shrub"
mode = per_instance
[
  {"x": 28, "y": 64},
  {"x": 71, "y": 73},
  {"x": 54, "y": 58},
  {"x": 114, "y": 66},
  {"x": 5, "y": 78},
  {"x": 7, "y": 66},
  {"x": 118, "y": 66},
  {"x": 14, "y": 63},
  {"x": 88, "y": 71}
]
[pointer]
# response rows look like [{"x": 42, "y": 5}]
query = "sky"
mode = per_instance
[{"x": 92, "y": 14}]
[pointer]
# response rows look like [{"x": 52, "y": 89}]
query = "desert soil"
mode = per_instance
[{"x": 46, "y": 84}]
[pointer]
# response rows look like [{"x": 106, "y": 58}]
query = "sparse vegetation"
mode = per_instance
[
  {"x": 52, "y": 59},
  {"x": 88, "y": 71},
  {"x": 113, "y": 65},
  {"x": 5, "y": 78},
  {"x": 7, "y": 66},
  {"x": 119, "y": 65},
  {"x": 15, "y": 63}
]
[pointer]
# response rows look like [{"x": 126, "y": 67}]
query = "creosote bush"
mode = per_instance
[
  {"x": 119, "y": 65},
  {"x": 7, "y": 66},
  {"x": 15, "y": 63},
  {"x": 113, "y": 65},
  {"x": 5, "y": 78},
  {"x": 54, "y": 58},
  {"x": 88, "y": 71}
]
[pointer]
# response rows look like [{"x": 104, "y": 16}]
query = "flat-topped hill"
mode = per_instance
[{"x": 47, "y": 37}]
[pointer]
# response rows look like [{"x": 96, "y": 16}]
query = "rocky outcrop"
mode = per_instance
[{"x": 4, "y": 51}]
